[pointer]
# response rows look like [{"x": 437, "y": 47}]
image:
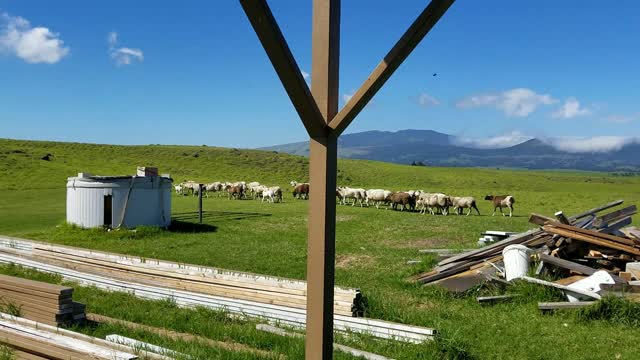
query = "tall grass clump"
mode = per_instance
[
  {"x": 613, "y": 309},
  {"x": 450, "y": 347}
]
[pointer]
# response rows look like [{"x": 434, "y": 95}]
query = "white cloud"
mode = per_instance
[
  {"x": 123, "y": 55},
  {"x": 427, "y": 100},
  {"x": 305, "y": 74},
  {"x": 596, "y": 144},
  {"x": 622, "y": 119},
  {"x": 492, "y": 142},
  {"x": 112, "y": 39},
  {"x": 570, "y": 109},
  {"x": 571, "y": 144},
  {"x": 31, "y": 44},
  {"x": 346, "y": 97},
  {"x": 518, "y": 102}
]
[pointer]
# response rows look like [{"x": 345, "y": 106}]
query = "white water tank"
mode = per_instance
[{"x": 118, "y": 201}]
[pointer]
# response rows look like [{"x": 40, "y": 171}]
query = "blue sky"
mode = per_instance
[{"x": 140, "y": 72}]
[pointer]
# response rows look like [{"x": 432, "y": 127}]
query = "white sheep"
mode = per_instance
[
  {"x": 378, "y": 196},
  {"x": 435, "y": 202},
  {"x": 464, "y": 202},
  {"x": 358, "y": 195}
]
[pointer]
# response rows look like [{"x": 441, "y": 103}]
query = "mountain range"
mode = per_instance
[{"x": 433, "y": 148}]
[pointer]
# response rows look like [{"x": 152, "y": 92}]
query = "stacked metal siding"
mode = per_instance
[{"x": 135, "y": 201}]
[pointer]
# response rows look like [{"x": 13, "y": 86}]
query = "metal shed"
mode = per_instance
[{"x": 118, "y": 201}]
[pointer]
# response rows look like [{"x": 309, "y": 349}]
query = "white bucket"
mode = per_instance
[
  {"x": 516, "y": 261},
  {"x": 591, "y": 283}
]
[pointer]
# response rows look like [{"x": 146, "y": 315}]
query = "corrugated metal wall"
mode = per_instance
[
  {"x": 147, "y": 202},
  {"x": 85, "y": 206}
]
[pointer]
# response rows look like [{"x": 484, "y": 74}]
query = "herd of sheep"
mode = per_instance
[
  {"x": 420, "y": 200},
  {"x": 412, "y": 200}
]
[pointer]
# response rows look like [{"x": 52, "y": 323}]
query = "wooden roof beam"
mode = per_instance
[
  {"x": 411, "y": 38},
  {"x": 274, "y": 43}
]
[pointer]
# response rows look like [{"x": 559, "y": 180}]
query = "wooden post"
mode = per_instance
[
  {"x": 323, "y": 154},
  {"x": 318, "y": 110},
  {"x": 200, "y": 203}
]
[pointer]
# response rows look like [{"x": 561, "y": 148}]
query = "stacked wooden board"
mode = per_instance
[
  {"x": 565, "y": 246},
  {"x": 212, "y": 281},
  {"x": 187, "y": 286},
  {"x": 47, "y": 303},
  {"x": 32, "y": 340}
]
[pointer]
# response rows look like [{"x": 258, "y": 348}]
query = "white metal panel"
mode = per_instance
[{"x": 135, "y": 201}]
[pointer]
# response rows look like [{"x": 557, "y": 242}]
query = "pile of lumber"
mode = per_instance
[
  {"x": 28, "y": 339},
  {"x": 47, "y": 303},
  {"x": 491, "y": 236},
  {"x": 191, "y": 285},
  {"x": 568, "y": 248},
  {"x": 206, "y": 280}
]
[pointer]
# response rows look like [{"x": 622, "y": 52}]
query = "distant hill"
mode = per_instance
[{"x": 438, "y": 149}]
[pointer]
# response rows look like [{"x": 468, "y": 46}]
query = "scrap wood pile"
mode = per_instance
[
  {"x": 275, "y": 300},
  {"x": 46, "y": 303},
  {"x": 589, "y": 252}
]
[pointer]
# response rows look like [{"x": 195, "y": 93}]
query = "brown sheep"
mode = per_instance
[
  {"x": 301, "y": 191},
  {"x": 236, "y": 191},
  {"x": 402, "y": 198},
  {"x": 501, "y": 201}
]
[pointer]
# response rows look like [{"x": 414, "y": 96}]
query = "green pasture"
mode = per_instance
[{"x": 372, "y": 246}]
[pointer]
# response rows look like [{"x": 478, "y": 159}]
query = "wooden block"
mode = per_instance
[
  {"x": 35, "y": 285},
  {"x": 540, "y": 219},
  {"x": 625, "y": 275},
  {"x": 569, "y": 280},
  {"x": 563, "y": 219}
]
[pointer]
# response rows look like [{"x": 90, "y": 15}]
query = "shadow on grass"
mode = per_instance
[
  {"x": 216, "y": 215},
  {"x": 179, "y": 226}
]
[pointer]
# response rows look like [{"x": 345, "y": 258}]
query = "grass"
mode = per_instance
[{"x": 372, "y": 245}]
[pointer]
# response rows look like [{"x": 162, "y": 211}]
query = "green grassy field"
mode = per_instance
[{"x": 373, "y": 246}]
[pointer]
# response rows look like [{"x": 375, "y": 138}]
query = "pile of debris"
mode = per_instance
[{"x": 590, "y": 253}]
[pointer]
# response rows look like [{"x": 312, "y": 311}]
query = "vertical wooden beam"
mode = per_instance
[
  {"x": 200, "y": 203},
  {"x": 322, "y": 173}
]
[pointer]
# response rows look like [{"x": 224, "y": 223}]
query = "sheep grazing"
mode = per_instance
[
  {"x": 189, "y": 185},
  {"x": 378, "y": 196},
  {"x": 251, "y": 188},
  {"x": 268, "y": 195},
  {"x": 301, "y": 191},
  {"x": 277, "y": 193},
  {"x": 465, "y": 202},
  {"x": 213, "y": 187},
  {"x": 294, "y": 183},
  {"x": 402, "y": 198},
  {"x": 178, "y": 189},
  {"x": 434, "y": 203},
  {"x": 236, "y": 192},
  {"x": 344, "y": 193},
  {"x": 258, "y": 190},
  {"x": 501, "y": 201}
]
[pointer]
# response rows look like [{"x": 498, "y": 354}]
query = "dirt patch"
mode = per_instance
[
  {"x": 418, "y": 243},
  {"x": 426, "y": 305},
  {"x": 351, "y": 261},
  {"x": 344, "y": 218}
]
